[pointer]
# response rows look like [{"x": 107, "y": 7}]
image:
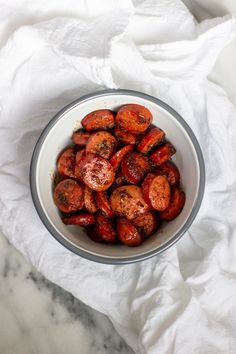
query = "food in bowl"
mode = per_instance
[{"x": 117, "y": 180}]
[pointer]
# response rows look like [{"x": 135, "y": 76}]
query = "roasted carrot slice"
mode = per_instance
[
  {"x": 89, "y": 201},
  {"x": 125, "y": 137},
  {"x": 80, "y": 137},
  {"x": 153, "y": 137},
  {"x": 162, "y": 154},
  {"x": 170, "y": 170},
  {"x": 97, "y": 173},
  {"x": 103, "y": 203},
  {"x": 116, "y": 159},
  {"x": 105, "y": 229},
  {"x": 134, "y": 118},
  {"x": 156, "y": 191},
  {"x": 99, "y": 120},
  {"x": 134, "y": 167},
  {"x": 66, "y": 163},
  {"x": 128, "y": 233},
  {"x": 101, "y": 143},
  {"x": 175, "y": 206},
  {"x": 147, "y": 224},
  {"x": 83, "y": 219},
  {"x": 128, "y": 201},
  {"x": 68, "y": 196}
]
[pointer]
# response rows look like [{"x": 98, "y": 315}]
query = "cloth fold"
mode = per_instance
[{"x": 182, "y": 301}]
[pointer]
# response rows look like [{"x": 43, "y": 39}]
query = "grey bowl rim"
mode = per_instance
[{"x": 75, "y": 249}]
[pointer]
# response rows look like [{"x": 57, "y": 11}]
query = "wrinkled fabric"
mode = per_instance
[{"x": 52, "y": 52}]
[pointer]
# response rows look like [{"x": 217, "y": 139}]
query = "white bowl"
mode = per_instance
[{"x": 56, "y": 136}]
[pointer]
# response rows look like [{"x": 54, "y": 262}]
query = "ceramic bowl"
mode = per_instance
[{"x": 56, "y": 136}]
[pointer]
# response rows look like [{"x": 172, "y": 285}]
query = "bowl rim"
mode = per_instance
[{"x": 86, "y": 254}]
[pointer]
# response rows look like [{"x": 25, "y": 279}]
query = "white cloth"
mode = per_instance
[{"x": 52, "y": 52}]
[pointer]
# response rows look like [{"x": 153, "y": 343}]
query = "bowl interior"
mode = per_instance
[{"x": 57, "y": 137}]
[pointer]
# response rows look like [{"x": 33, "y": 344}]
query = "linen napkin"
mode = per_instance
[{"x": 52, "y": 52}]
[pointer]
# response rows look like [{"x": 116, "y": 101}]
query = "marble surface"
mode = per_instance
[{"x": 38, "y": 317}]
